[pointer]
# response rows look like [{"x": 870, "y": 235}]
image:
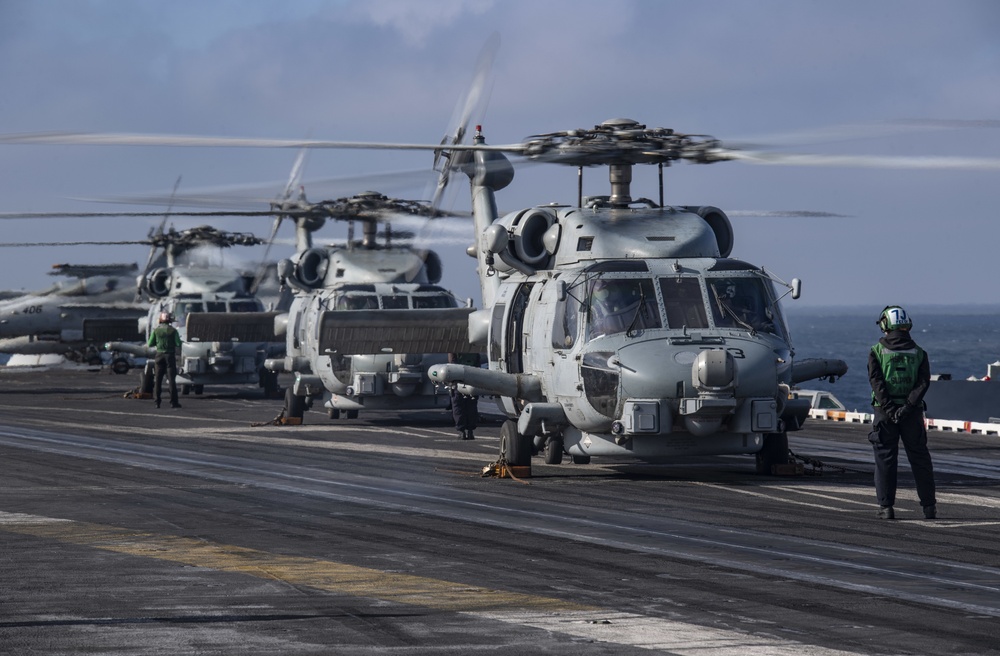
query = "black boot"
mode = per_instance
[{"x": 468, "y": 435}]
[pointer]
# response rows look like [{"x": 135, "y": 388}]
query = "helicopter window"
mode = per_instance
[
  {"x": 215, "y": 306},
  {"x": 185, "y": 308},
  {"x": 741, "y": 303},
  {"x": 358, "y": 302},
  {"x": 397, "y": 302},
  {"x": 684, "y": 303},
  {"x": 496, "y": 332},
  {"x": 584, "y": 243},
  {"x": 566, "y": 322},
  {"x": 434, "y": 301},
  {"x": 246, "y": 306},
  {"x": 622, "y": 305},
  {"x": 600, "y": 382}
]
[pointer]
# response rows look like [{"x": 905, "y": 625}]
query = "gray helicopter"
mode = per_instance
[
  {"x": 202, "y": 295},
  {"x": 55, "y": 320},
  {"x": 621, "y": 326},
  {"x": 338, "y": 287}
]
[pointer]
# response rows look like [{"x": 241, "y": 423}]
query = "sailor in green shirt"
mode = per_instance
[
  {"x": 900, "y": 374},
  {"x": 167, "y": 340}
]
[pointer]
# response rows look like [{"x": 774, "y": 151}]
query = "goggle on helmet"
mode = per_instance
[{"x": 894, "y": 317}]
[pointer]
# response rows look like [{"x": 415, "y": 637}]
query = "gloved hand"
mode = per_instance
[
  {"x": 891, "y": 410},
  {"x": 902, "y": 412}
]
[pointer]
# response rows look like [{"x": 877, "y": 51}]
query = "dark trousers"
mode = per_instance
[
  {"x": 465, "y": 410},
  {"x": 885, "y": 437},
  {"x": 166, "y": 365}
]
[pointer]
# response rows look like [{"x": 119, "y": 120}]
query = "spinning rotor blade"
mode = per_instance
[
  {"x": 862, "y": 161},
  {"x": 90, "y": 215},
  {"x": 71, "y": 243},
  {"x": 154, "y": 245},
  {"x": 294, "y": 181},
  {"x": 471, "y": 107},
  {"x": 812, "y": 214},
  {"x": 248, "y": 197},
  {"x": 135, "y": 139}
]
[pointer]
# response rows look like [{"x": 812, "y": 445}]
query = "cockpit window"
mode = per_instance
[
  {"x": 684, "y": 302},
  {"x": 184, "y": 308},
  {"x": 434, "y": 301},
  {"x": 395, "y": 302},
  {"x": 215, "y": 306},
  {"x": 618, "y": 305},
  {"x": 358, "y": 302},
  {"x": 743, "y": 302},
  {"x": 246, "y": 306}
]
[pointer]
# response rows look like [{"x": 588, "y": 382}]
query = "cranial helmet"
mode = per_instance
[
  {"x": 166, "y": 317},
  {"x": 894, "y": 317}
]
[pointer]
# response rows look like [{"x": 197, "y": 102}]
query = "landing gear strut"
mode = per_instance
[{"x": 774, "y": 452}]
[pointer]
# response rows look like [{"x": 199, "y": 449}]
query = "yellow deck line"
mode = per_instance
[{"x": 316, "y": 573}]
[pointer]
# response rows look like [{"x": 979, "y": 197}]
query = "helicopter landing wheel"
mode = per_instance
[
  {"x": 581, "y": 460},
  {"x": 185, "y": 389},
  {"x": 554, "y": 451},
  {"x": 514, "y": 447},
  {"x": 120, "y": 366},
  {"x": 774, "y": 452},
  {"x": 147, "y": 379},
  {"x": 333, "y": 413},
  {"x": 269, "y": 381},
  {"x": 295, "y": 406},
  {"x": 198, "y": 389},
  {"x": 351, "y": 414}
]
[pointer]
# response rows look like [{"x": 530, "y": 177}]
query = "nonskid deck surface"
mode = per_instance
[{"x": 128, "y": 529}]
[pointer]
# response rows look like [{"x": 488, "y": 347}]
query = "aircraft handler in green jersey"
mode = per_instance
[{"x": 900, "y": 374}]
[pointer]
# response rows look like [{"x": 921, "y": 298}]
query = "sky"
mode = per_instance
[{"x": 780, "y": 72}]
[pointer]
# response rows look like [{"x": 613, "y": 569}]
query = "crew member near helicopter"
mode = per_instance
[
  {"x": 166, "y": 340},
  {"x": 465, "y": 409},
  {"x": 899, "y": 373}
]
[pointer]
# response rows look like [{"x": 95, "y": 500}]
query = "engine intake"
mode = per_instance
[
  {"x": 528, "y": 230},
  {"x": 311, "y": 267},
  {"x": 720, "y": 225},
  {"x": 159, "y": 282}
]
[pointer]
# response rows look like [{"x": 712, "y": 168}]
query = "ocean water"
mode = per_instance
[{"x": 959, "y": 340}]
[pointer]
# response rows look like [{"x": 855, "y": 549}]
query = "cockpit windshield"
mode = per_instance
[
  {"x": 743, "y": 302},
  {"x": 358, "y": 302},
  {"x": 434, "y": 301},
  {"x": 184, "y": 308},
  {"x": 399, "y": 301},
  {"x": 618, "y": 305}
]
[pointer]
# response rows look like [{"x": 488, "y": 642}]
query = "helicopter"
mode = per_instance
[
  {"x": 621, "y": 326},
  {"x": 361, "y": 282},
  {"x": 342, "y": 293},
  {"x": 615, "y": 326},
  {"x": 56, "y": 320},
  {"x": 197, "y": 293}
]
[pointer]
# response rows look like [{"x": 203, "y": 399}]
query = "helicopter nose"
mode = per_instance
[{"x": 713, "y": 374}]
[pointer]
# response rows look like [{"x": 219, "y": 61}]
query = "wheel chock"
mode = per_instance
[
  {"x": 500, "y": 469},
  {"x": 788, "y": 469}
]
